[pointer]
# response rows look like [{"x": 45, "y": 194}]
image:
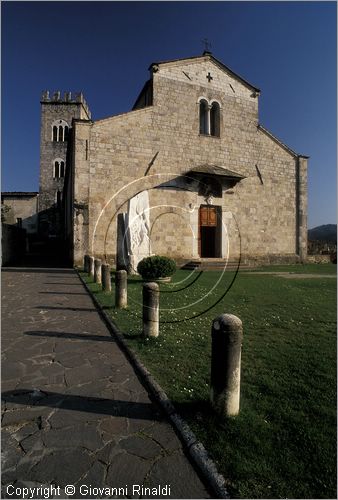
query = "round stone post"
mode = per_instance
[
  {"x": 227, "y": 335},
  {"x": 106, "y": 281},
  {"x": 121, "y": 299},
  {"x": 86, "y": 263},
  {"x": 97, "y": 271},
  {"x": 91, "y": 266},
  {"x": 151, "y": 310}
]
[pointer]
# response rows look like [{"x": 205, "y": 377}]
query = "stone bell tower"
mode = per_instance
[{"x": 57, "y": 113}]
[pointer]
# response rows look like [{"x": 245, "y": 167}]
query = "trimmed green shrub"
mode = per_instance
[{"x": 156, "y": 267}]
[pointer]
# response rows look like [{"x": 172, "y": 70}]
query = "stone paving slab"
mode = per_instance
[{"x": 73, "y": 409}]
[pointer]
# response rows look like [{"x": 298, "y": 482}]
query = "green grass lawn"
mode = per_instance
[
  {"x": 283, "y": 443},
  {"x": 299, "y": 268}
]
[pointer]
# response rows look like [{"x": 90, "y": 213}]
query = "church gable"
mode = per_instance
[{"x": 206, "y": 71}]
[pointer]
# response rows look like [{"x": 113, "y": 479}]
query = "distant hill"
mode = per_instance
[{"x": 327, "y": 232}]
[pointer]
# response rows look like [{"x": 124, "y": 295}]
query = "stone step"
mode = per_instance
[{"x": 213, "y": 265}]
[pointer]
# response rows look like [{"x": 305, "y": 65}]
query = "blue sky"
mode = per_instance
[{"x": 104, "y": 49}]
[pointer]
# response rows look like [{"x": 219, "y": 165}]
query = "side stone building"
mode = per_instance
[
  {"x": 219, "y": 184},
  {"x": 21, "y": 209}
]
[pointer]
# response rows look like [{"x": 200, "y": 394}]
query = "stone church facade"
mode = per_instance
[{"x": 219, "y": 184}]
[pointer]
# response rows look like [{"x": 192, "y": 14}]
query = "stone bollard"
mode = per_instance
[
  {"x": 91, "y": 266},
  {"x": 86, "y": 263},
  {"x": 97, "y": 271},
  {"x": 121, "y": 300},
  {"x": 106, "y": 281},
  {"x": 151, "y": 310},
  {"x": 227, "y": 335}
]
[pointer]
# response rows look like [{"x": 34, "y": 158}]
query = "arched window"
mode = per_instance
[
  {"x": 56, "y": 170},
  {"x": 210, "y": 116},
  {"x": 204, "y": 117},
  {"x": 215, "y": 119},
  {"x": 60, "y": 131},
  {"x": 58, "y": 197},
  {"x": 59, "y": 168}
]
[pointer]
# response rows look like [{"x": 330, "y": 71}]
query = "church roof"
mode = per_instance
[
  {"x": 18, "y": 194},
  {"x": 278, "y": 141},
  {"x": 209, "y": 55}
]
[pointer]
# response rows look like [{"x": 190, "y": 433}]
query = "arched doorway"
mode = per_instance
[{"x": 210, "y": 231}]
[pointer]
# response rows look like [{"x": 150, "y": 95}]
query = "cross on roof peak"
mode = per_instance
[{"x": 207, "y": 45}]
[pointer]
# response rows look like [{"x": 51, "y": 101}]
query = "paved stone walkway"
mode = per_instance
[{"x": 74, "y": 411}]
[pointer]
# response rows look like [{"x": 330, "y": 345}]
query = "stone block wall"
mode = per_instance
[
  {"x": 22, "y": 206},
  {"x": 147, "y": 147},
  {"x": 55, "y": 109}
]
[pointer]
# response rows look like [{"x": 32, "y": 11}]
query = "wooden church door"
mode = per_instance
[{"x": 209, "y": 230}]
